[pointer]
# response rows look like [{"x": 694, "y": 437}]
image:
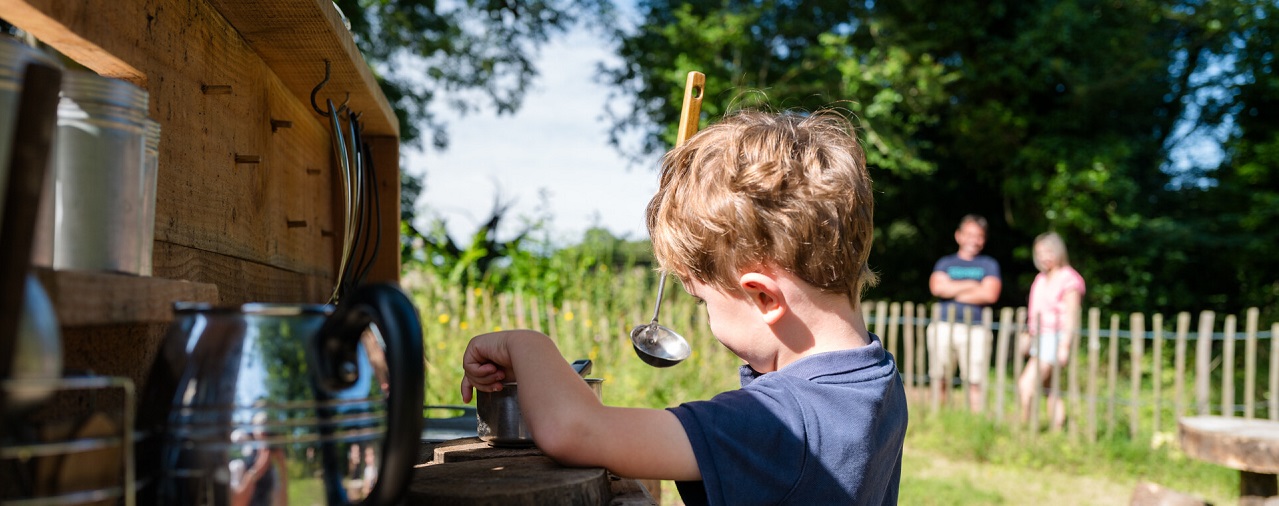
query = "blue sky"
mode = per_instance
[{"x": 556, "y": 146}]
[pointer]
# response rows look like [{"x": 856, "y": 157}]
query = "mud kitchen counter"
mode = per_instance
[{"x": 469, "y": 472}]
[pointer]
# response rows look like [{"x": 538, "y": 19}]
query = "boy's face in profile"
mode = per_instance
[{"x": 733, "y": 319}]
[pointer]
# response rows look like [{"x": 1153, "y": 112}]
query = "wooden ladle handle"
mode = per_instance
[{"x": 689, "y": 114}]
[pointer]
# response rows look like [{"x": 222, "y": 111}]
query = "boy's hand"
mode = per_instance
[{"x": 485, "y": 364}]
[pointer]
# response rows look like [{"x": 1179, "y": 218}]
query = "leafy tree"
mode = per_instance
[{"x": 1039, "y": 115}]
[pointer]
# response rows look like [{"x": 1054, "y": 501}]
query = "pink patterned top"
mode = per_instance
[{"x": 1047, "y": 304}]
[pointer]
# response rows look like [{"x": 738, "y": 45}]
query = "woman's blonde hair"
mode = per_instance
[
  {"x": 1054, "y": 242},
  {"x": 757, "y": 189}
]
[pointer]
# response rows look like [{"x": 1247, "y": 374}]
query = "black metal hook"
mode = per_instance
[{"x": 316, "y": 90}]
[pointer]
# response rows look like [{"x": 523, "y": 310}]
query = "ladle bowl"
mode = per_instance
[{"x": 659, "y": 346}]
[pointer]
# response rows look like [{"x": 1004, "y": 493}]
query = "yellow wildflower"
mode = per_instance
[{"x": 444, "y": 318}]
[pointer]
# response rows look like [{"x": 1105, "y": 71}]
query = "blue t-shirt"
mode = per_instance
[
  {"x": 826, "y": 429},
  {"x": 957, "y": 268}
]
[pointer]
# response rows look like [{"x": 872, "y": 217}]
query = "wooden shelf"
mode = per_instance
[{"x": 83, "y": 299}]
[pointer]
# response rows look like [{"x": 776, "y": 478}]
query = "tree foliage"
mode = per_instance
[{"x": 1040, "y": 115}]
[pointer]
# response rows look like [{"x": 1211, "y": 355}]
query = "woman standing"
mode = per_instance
[{"x": 1055, "y": 300}]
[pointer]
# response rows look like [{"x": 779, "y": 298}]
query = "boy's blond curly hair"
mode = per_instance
[{"x": 787, "y": 190}]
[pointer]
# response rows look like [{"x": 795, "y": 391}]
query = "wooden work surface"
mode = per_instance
[
  {"x": 1237, "y": 443},
  {"x": 1251, "y": 446},
  {"x": 470, "y": 472}
]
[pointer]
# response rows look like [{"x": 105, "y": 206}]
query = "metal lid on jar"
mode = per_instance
[{"x": 14, "y": 57}]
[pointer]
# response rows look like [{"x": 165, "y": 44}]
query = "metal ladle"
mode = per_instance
[{"x": 656, "y": 345}]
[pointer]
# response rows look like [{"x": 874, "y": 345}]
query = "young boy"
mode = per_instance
[{"x": 766, "y": 219}]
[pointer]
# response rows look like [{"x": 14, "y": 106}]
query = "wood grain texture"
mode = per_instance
[
  {"x": 246, "y": 168},
  {"x": 1237, "y": 443},
  {"x": 510, "y": 481},
  {"x": 95, "y": 298}
]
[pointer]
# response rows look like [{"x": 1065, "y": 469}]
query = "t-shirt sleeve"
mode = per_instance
[
  {"x": 992, "y": 268},
  {"x": 749, "y": 446},
  {"x": 1074, "y": 282},
  {"x": 940, "y": 266}
]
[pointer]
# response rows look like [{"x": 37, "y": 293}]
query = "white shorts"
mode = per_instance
[
  {"x": 1044, "y": 347},
  {"x": 970, "y": 343}
]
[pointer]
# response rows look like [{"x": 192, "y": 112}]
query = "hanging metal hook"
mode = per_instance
[{"x": 316, "y": 90}]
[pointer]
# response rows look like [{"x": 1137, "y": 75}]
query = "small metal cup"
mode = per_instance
[{"x": 500, "y": 422}]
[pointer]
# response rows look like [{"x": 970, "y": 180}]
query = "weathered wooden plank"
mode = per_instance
[
  {"x": 1001, "y": 362},
  {"x": 1250, "y": 363},
  {"x": 1237, "y": 443},
  {"x": 385, "y": 155},
  {"x": 1137, "y": 329},
  {"x": 1157, "y": 372},
  {"x": 294, "y": 37},
  {"x": 1112, "y": 373},
  {"x": 1274, "y": 371},
  {"x": 1179, "y": 365},
  {"x": 1228, "y": 368},
  {"x": 1074, "y": 402},
  {"x": 908, "y": 340},
  {"x": 1203, "y": 360},
  {"x": 95, "y": 298},
  {"x": 1094, "y": 352},
  {"x": 238, "y": 280},
  {"x": 894, "y": 326}
]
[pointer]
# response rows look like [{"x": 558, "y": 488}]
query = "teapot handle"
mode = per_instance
[{"x": 384, "y": 305}]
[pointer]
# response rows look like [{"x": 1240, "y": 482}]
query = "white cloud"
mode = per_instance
[{"x": 557, "y": 143}]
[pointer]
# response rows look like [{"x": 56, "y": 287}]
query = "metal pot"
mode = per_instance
[{"x": 500, "y": 421}]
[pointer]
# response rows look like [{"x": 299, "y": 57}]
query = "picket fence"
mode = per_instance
[{"x": 1149, "y": 397}]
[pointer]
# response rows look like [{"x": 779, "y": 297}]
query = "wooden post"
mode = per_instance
[
  {"x": 935, "y": 369},
  {"x": 1018, "y": 329},
  {"x": 1094, "y": 351},
  {"x": 894, "y": 320},
  {"x": 1137, "y": 329},
  {"x": 1037, "y": 391},
  {"x": 1179, "y": 366},
  {"x": 519, "y": 311},
  {"x": 1001, "y": 362},
  {"x": 987, "y": 335},
  {"x": 1157, "y": 372},
  {"x": 1274, "y": 371},
  {"x": 881, "y": 322},
  {"x": 1250, "y": 363},
  {"x": 1203, "y": 359},
  {"x": 1228, "y": 368},
  {"x": 503, "y": 308},
  {"x": 908, "y": 340},
  {"x": 1112, "y": 374},
  {"x": 535, "y": 313},
  {"x": 1074, "y": 403},
  {"x": 921, "y": 341},
  {"x": 1054, "y": 388}
]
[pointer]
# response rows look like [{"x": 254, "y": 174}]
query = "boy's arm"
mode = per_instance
[{"x": 569, "y": 423}]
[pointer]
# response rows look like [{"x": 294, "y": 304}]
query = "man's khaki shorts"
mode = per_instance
[{"x": 970, "y": 343}]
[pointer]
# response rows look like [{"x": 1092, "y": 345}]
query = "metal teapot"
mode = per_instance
[{"x": 285, "y": 403}]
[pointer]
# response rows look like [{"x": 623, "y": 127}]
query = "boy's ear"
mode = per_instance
[{"x": 765, "y": 293}]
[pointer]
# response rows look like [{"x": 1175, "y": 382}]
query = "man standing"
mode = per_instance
[{"x": 966, "y": 281}]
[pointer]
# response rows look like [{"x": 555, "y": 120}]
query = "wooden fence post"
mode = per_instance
[
  {"x": 1018, "y": 360},
  {"x": 908, "y": 341},
  {"x": 1157, "y": 374},
  {"x": 1112, "y": 374},
  {"x": 1094, "y": 351},
  {"x": 1037, "y": 381},
  {"x": 1228, "y": 368},
  {"x": 1274, "y": 371},
  {"x": 987, "y": 337},
  {"x": 1179, "y": 366},
  {"x": 1203, "y": 359},
  {"x": 894, "y": 321},
  {"x": 1001, "y": 362},
  {"x": 935, "y": 370},
  {"x": 519, "y": 311},
  {"x": 921, "y": 341},
  {"x": 503, "y": 308},
  {"x": 1250, "y": 363},
  {"x": 881, "y": 321},
  {"x": 1074, "y": 403},
  {"x": 1136, "y": 329}
]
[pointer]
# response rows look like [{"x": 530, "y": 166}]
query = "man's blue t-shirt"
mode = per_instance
[
  {"x": 957, "y": 268},
  {"x": 826, "y": 429}
]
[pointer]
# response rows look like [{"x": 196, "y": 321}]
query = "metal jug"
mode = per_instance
[{"x": 285, "y": 403}]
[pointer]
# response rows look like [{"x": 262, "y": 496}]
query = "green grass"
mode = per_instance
[{"x": 952, "y": 457}]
